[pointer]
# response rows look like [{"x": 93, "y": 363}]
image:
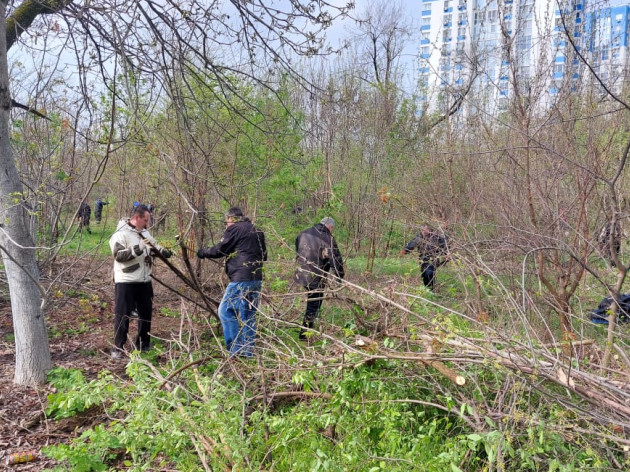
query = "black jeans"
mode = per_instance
[
  {"x": 428, "y": 274},
  {"x": 129, "y": 297},
  {"x": 314, "y": 301}
]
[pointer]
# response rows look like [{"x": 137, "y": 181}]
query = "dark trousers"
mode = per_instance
[
  {"x": 97, "y": 215},
  {"x": 129, "y": 297},
  {"x": 428, "y": 274},
  {"x": 314, "y": 301}
]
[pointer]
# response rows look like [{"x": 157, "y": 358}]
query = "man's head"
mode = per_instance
[
  {"x": 233, "y": 215},
  {"x": 329, "y": 223},
  {"x": 140, "y": 217},
  {"x": 425, "y": 230}
]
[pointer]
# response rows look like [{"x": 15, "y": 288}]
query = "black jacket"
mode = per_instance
[
  {"x": 317, "y": 254},
  {"x": 430, "y": 248},
  {"x": 244, "y": 246},
  {"x": 84, "y": 211}
]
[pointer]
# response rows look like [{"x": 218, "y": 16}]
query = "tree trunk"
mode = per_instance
[{"x": 32, "y": 353}]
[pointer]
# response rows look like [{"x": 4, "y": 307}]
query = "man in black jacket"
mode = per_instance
[
  {"x": 244, "y": 247},
  {"x": 98, "y": 209},
  {"x": 432, "y": 252},
  {"x": 83, "y": 216},
  {"x": 317, "y": 255}
]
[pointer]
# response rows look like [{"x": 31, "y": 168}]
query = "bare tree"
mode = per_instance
[{"x": 225, "y": 41}]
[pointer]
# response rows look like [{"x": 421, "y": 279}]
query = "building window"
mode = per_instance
[
  {"x": 558, "y": 68},
  {"x": 425, "y": 22},
  {"x": 461, "y": 31},
  {"x": 492, "y": 16},
  {"x": 425, "y": 51},
  {"x": 524, "y": 43},
  {"x": 447, "y": 4},
  {"x": 525, "y": 11}
]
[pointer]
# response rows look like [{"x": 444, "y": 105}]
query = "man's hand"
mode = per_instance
[
  {"x": 402, "y": 252},
  {"x": 200, "y": 254},
  {"x": 136, "y": 250},
  {"x": 166, "y": 253}
]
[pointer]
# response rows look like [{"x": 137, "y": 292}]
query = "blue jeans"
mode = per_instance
[{"x": 237, "y": 313}]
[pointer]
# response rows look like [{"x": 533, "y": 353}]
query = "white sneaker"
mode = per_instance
[
  {"x": 133, "y": 314},
  {"x": 116, "y": 354}
]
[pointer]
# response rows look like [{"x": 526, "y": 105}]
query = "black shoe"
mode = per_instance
[{"x": 302, "y": 336}]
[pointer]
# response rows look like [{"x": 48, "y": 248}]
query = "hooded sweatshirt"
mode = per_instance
[{"x": 132, "y": 253}]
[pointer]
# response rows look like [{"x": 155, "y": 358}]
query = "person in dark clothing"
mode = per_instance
[
  {"x": 317, "y": 255},
  {"x": 432, "y": 252},
  {"x": 135, "y": 205},
  {"x": 151, "y": 212},
  {"x": 98, "y": 209},
  {"x": 83, "y": 216},
  {"x": 243, "y": 246}
]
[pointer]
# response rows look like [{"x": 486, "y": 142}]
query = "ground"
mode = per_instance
[{"x": 80, "y": 325}]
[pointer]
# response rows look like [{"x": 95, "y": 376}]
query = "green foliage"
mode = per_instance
[
  {"x": 70, "y": 398},
  {"x": 378, "y": 417}
]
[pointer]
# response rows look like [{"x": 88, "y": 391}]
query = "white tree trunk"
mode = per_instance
[{"x": 32, "y": 353}]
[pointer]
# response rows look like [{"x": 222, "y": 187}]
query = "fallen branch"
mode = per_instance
[{"x": 291, "y": 394}]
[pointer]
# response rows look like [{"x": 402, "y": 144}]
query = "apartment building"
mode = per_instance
[{"x": 483, "y": 53}]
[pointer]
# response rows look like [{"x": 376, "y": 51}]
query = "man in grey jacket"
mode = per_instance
[
  {"x": 132, "y": 247},
  {"x": 317, "y": 255}
]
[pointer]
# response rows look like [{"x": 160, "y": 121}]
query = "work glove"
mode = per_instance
[
  {"x": 200, "y": 254},
  {"x": 166, "y": 253},
  {"x": 136, "y": 250},
  {"x": 402, "y": 252}
]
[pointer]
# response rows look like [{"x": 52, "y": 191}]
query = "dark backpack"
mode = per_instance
[{"x": 600, "y": 315}]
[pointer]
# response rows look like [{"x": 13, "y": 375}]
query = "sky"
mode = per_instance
[{"x": 340, "y": 30}]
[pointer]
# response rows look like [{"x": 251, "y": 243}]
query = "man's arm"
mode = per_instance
[
  {"x": 224, "y": 248},
  {"x": 411, "y": 245},
  {"x": 155, "y": 247},
  {"x": 261, "y": 238},
  {"x": 337, "y": 261},
  {"x": 123, "y": 254}
]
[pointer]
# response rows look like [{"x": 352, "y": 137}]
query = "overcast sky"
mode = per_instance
[{"x": 341, "y": 30}]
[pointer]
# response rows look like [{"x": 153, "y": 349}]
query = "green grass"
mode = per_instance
[
  {"x": 393, "y": 265},
  {"x": 98, "y": 240}
]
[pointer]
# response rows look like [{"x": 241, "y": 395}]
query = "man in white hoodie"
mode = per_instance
[{"x": 132, "y": 247}]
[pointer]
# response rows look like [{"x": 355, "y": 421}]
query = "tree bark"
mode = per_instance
[
  {"x": 32, "y": 353},
  {"x": 25, "y": 14}
]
